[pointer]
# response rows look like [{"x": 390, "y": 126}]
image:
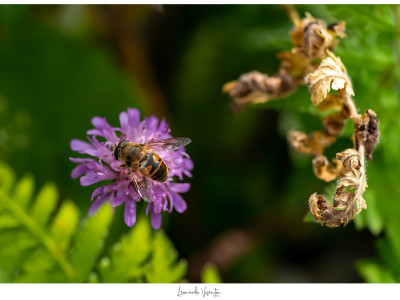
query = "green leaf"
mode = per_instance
[
  {"x": 65, "y": 223},
  {"x": 89, "y": 241},
  {"x": 7, "y": 178},
  {"x": 128, "y": 256},
  {"x": 5, "y": 276},
  {"x": 373, "y": 272},
  {"x": 374, "y": 217},
  {"x": 389, "y": 259},
  {"x": 23, "y": 238},
  {"x": 7, "y": 221},
  {"x": 38, "y": 261},
  {"x": 210, "y": 274},
  {"x": 308, "y": 218},
  {"x": 45, "y": 203},
  {"x": 93, "y": 278},
  {"x": 24, "y": 191},
  {"x": 15, "y": 248},
  {"x": 36, "y": 247},
  {"x": 164, "y": 267},
  {"x": 360, "y": 220}
]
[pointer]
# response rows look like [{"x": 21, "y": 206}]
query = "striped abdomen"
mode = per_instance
[{"x": 157, "y": 168}]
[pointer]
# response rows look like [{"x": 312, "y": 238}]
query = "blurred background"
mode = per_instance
[{"x": 62, "y": 65}]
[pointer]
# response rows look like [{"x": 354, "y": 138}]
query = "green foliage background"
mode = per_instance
[{"x": 63, "y": 65}]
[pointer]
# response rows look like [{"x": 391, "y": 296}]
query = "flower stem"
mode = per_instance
[{"x": 39, "y": 233}]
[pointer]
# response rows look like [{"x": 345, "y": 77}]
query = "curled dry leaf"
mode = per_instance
[
  {"x": 316, "y": 40},
  {"x": 331, "y": 73},
  {"x": 313, "y": 143},
  {"x": 348, "y": 200},
  {"x": 333, "y": 124},
  {"x": 337, "y": 29},
  {"x": 333, "y": 102},
  {"x": 311, "y": 38},
  {"x": 324, "y": 170},
  {"x": 256, "y": 87},
  {"x": 297, "y": 34},
  {"x": 367, "y": 132},
  {"x": 313, "y": 41}
]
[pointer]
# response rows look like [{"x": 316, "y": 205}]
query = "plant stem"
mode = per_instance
[
  {"x": 352, "y": 107},
  {"x": 39, "y": 233},
  {"x": 292, "y": 12}
]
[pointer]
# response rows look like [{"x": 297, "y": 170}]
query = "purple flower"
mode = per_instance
[{"x": 120, "y": 188}]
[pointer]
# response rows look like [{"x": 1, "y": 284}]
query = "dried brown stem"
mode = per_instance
[
  {"x": 292, "y": 13},
  {"x": 351, "y": 106}
]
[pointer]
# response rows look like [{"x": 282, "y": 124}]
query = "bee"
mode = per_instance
[{"x": 144, "y": 164}]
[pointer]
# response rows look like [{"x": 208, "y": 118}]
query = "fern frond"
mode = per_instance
[{"x": 40, "y": 243}]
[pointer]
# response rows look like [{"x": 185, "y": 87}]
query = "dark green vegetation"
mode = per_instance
[{"x": 62, "y": 65}]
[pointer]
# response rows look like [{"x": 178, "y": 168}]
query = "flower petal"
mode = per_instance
[
  {"x": 130, "y": 213},
  {"x": 178, "y": 202},
  {"x": 78, "y": 171},
  {"x": 96, "y": 205},
  {"x": 96, "y": 192},
  {"x": 155, "y": 220},
  {"x": 134, "y": 117},
  {"x": 179, "y": 187},
  {"x": 81, "y": 160},
  {"x": 81, "y": 146},
  {"x": 122, "y": 197},
  {"x": 103, "y": 129},
  {"x": 123, "y": 120},
  {"x": 94, "y": 177},
  {"x": 158, "y": 204},
  {"x": 99, "y": 122}
]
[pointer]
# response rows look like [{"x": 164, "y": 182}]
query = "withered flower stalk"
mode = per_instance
[{"x": 311, "y": 61}]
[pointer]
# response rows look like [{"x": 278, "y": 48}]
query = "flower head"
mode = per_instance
[{"x": 121, "y": 189}]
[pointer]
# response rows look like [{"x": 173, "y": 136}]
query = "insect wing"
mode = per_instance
[
  {"x": 143, "y": 186},
  {"x": 168, "y": 144}
]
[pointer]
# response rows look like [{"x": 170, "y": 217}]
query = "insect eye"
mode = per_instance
[{"x": 117, "y": 149}]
